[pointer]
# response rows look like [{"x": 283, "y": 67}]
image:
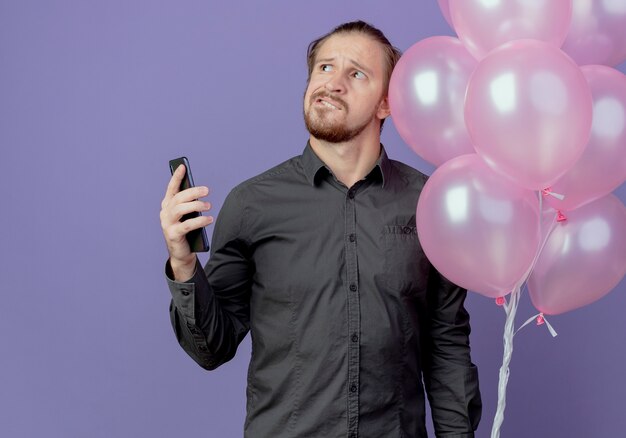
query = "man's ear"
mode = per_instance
[{"x": 383, "y": 108}]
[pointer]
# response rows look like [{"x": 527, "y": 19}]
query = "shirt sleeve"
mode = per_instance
[
  {"x": 450, "y": 378},
  {"x": 210, "y": 313}
]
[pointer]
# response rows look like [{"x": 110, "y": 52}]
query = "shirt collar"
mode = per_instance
[{"x": 314, "y": 166}]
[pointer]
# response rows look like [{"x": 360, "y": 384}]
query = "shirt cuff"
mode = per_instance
[{"x": 183, "y": 292}]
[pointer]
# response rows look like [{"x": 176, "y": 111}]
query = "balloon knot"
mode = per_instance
[
  {"x": 500, "y": 301},
  {"x": 540, "y": 319},
  {"x": 560, "y": 217},
  {"x": 548, "y": 192}
]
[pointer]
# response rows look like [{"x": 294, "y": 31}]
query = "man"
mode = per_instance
[{"x": 319, "y": 259}]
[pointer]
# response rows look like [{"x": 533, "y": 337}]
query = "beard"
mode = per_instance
[{"x": 323, "y": 128}]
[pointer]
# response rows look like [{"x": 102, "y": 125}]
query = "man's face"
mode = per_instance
[{"x": 344, "y": 96}]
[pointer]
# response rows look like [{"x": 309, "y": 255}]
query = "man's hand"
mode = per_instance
[{"x": 174, "y": 206}]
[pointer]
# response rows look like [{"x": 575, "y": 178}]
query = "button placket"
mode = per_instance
[{"x": 354, "y": 315}]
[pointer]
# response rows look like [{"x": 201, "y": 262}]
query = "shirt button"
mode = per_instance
[
  {"x": 353, "y": 287},
  {"x": 185, "y": 292},
  {"x": 355, "y": 338},
  {"x": 353, "y": 388},
  {"x": 352, "y": 237},
  {"x": 407, "y": 230},
  {"x": 351, "y": 194}
]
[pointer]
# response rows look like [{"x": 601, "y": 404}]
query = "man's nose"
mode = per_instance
[{"x": 336, "y": 83}]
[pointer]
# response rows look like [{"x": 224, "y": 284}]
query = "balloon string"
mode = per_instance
[
  {"x": 541, "y": 319},
  {"x": 553, "y": 223},
  {"x": 509, "y": 327},
  {"x": 509, "y": 331}
]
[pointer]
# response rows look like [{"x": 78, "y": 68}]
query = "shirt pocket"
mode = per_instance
[{"x": 405, "y": 265}]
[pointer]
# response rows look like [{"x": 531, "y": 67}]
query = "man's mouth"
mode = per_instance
[{"x": 329, "y": 103}]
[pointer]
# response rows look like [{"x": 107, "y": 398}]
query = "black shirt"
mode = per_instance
[{"x": 345, "y": 312}]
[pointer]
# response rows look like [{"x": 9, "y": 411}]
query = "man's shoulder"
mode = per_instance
[
  {"x": 407, "y": 175},
  {"x": 288, "y": 170}
]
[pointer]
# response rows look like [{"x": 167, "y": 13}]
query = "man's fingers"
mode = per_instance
[
  {"x": 191, "y": 194},
  {"x": 175, "y": 232},
  {"x": 192, "y": 224},
  {"x": 188, "y": 207},
  {"x": 173, "y": 186}
]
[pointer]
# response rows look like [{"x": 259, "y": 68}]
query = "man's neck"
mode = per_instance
[{"x": 350, "y": 161}]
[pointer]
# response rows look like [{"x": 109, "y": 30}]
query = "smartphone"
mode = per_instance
[{"x": 198, "y": 241}]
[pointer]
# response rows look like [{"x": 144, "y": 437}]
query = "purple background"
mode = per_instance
[{"x": 95, "y": 98}]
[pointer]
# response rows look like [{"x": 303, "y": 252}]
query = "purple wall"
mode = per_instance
[{"x": 95, "y": 97}]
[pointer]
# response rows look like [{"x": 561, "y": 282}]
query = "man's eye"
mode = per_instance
[
  {"x": 326, "y": 67},
  {"x": 359, "y": 74}
]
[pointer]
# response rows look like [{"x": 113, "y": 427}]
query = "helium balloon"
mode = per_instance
[
  {"x": 483, "y": 25},
  {"x": 478, "y": 229},
  {"x": 426, "y": 96},
  {"x": 583, "y": 258},
  {"x": 597, "y": 34},
  {"x": 528, "y": 110},
  {"x": 602, "y": 167}
]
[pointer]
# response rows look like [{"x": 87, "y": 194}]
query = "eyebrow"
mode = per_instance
[{"x": 356, "y": 64}]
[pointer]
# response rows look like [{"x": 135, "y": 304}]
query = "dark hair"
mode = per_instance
[{"x": 392, "y": 54}]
